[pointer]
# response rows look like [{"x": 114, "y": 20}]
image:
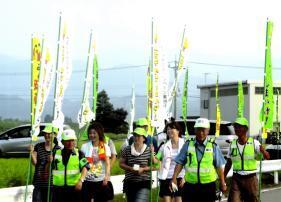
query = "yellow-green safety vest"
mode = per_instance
[
  {"x": 202, "y": 172},
  {"x": 106, "y": 139},
  {"x": 245, "y": 161},
  {"x": 68, "y": 175}
]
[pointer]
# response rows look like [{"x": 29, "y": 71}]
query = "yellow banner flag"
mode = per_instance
[
  {"x": 35, "y": 69},
  {"x": 218, "y": 120}
]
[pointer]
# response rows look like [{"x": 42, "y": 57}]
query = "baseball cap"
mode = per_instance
[
  {"x": 242, "y": 121},
  {"x": 69, "y": 134},
  {"x": 140, "y": 131},
  {"x": 202, "y": 123},
  {"x": 49, "y": 129},
  {"x": 142, "y": 122}
]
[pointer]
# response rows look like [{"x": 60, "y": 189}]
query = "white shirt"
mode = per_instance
[
  {"x": 168, "y": 160},
  {"x": 240, "y": 149},
  {"x": 97, "y": 168}
]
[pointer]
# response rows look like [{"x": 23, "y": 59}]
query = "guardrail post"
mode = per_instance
[{"x": 276, "y": 178}]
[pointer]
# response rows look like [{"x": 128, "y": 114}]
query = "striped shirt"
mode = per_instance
[
  {"x": 142, "y": 160},
  {"x": 40, "y": 178}
]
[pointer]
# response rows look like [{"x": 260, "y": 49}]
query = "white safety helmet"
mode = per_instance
[
  {"x": 69, "y": 134},
  {"x": 202, "y": 123}
]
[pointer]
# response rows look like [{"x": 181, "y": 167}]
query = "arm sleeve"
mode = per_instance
[
  {"x": 83, "y": 161},
  {"x": 228, "y": 153},
  {"x": 181, "y": 157},
  {"x": 219, "y": 160},
  {"x": 112, "y": 147},
  {"x": 257, "y": 146},
  {"x": 107, "y": 150}
]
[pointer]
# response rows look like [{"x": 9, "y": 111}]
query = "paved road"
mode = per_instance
[
  {"x": 273, "y": 195},
  {"x": 270, "y": 195}
]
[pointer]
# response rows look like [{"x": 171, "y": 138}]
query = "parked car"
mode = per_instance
[
  {"x": 15, "y": 141},
  {"x": 227, "y": 133},
  {"x": 274, "y": 151}
]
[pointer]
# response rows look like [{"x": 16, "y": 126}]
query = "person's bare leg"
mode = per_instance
[
  {"x": 167, "y": 199},
  {"x": 177, "y": 199}
]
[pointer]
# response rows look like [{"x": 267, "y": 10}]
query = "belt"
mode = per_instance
[{"x": 244, "y": 176}]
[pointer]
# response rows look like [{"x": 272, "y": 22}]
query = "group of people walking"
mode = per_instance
[{"x": 189, "y": 169}]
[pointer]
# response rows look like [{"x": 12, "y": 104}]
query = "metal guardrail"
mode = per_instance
[{"x": 16, "y": 194}]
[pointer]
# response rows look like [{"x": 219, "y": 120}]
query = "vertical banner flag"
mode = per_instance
[
  {"x": 266, "y": 115},
  {"x": 181, "y": 62},
  {"x": 35, "y": 68},
  {"x": 163, "y": 89},
  {"x": 218, "y": 111},
  {"x": 149, "y": 97},
  {"x": 95, "y": 84},
  {"x": 85, "y": 114},
  {"x": 132, "y": 113},
  {"x": 63, "y": 72},
  {"x": 44, "y": 86},
  {"x": 154, "y": 73},
  {"x": 240, "y": 108},
  {"x": 184, "y": 101}
]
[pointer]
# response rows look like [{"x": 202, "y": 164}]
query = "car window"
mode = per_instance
[
  {"x": 20, "y": 132},
  {"x": 225, "y": 129}
]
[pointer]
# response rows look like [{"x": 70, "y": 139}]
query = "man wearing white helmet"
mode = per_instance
[
  {"x": 203, "y": 162},
  {"x": 69, "y": 168}
]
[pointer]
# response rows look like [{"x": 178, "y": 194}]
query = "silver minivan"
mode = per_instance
[{"x": 15, "y": 141}]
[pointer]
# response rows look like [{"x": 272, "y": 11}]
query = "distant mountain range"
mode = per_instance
[
  {"x": 16, "y": 107},
  {"x": 15, "y": 93}
]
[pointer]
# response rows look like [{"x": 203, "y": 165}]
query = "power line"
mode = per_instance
[{"x": 145, "y": 65}]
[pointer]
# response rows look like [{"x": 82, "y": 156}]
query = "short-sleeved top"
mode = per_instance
[
  {"x": 96, "y": 173},
  {"x": 257, "y": 145},
  {"x": 142, "y": 160},
  {"x": 40, "y": 178},
  {"x": 219, "y": 160}
]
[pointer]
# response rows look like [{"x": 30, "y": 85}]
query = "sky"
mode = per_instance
[{"x": 219, "y": 32}]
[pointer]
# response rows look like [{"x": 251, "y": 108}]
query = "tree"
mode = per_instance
[{"x": 111, "y": 119}]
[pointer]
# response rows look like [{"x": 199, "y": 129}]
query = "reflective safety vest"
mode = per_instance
[
  {"x": 203, "y": 171},
  {"x": 245, "y": 161},
  {"x": 68, "y": 175},
  {"x": 106, "y": 138}
]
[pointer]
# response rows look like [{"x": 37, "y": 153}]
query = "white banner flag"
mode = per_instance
[
  {"x": 45, "y": 81},
  {"x": 163, "y": 89},
  {"x": 180, "y": 67},
  {"x": 63, "y": 73},
  {"x": 85, "y": 114},
  {"x": 132, "y": 113},
  {"x": 155, "y": 78}
]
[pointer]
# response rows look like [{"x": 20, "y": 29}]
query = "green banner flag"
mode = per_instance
[
  {"x": 240, "y": 108},
  {"x": 184, "y": 100},
  {"x": 266, "y": 115},
  {"x": 95, "y": 84}
]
